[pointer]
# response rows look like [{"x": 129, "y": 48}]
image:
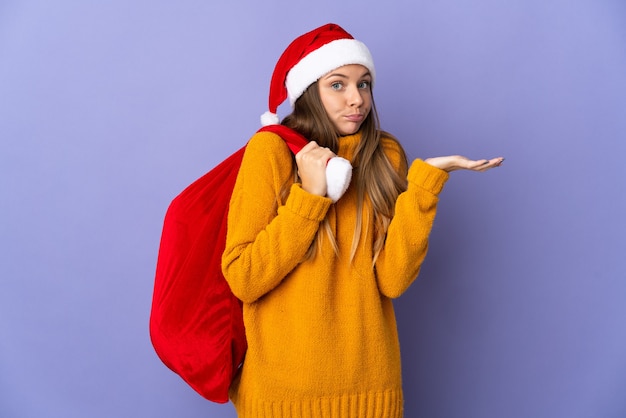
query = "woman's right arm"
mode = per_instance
[{"x": 263, "y": 244}]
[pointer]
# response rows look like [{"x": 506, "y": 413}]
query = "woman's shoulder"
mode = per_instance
[
  {"x": 266, "y": 153},
  {"x": 267, "y": 141},
  {"x": 268, "y": 146}
]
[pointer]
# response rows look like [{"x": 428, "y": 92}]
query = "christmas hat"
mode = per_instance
[{"x": 309, "y": 57}]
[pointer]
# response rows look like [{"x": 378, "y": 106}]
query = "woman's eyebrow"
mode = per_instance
[{"x": 338, "y": 74}]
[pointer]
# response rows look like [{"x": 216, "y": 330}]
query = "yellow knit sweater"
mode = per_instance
[{"x": 322, "y": 333}]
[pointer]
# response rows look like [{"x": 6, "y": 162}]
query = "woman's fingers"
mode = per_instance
[
  {"x": 489, "y": 164},
  {"x": 311, "y": 162},
  {"x": 459, "y": 162}
]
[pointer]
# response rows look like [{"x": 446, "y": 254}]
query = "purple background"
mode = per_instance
[{"x": 108, "y": 110}]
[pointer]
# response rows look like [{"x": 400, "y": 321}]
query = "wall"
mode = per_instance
[{"x": 108, "y": 110}]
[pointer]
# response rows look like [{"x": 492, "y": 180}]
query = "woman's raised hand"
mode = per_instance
[
  {"x": 311, "y": 162},
  {"x": 458, "y": 162}
]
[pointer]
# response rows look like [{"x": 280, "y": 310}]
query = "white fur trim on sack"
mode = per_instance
[{"x": 338, "y": 176}]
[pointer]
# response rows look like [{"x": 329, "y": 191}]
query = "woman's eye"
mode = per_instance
[
  {"x": 336, "y": 86},
  {"x": 364, "y": 85}
]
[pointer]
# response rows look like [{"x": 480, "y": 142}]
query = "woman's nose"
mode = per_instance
[{"x": 354, "y": 96}]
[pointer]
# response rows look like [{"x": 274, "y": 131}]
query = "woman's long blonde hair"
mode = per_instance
[{"x": 378, "y": 181}]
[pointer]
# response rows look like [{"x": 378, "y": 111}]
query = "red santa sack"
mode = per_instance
[{"x": 196, "y": 323}]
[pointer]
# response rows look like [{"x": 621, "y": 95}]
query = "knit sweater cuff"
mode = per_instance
[
  {"x": 307, "y": 205},
  {"x": 427, "y": 177}
]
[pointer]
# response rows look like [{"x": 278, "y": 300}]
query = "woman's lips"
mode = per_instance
[{"x": 357, "y": 117}]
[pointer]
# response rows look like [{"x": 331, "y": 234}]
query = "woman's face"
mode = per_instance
[{"x": 346, "y": 94}]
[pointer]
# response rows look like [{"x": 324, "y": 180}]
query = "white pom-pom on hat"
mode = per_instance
[{"x": 269, "y": 118}]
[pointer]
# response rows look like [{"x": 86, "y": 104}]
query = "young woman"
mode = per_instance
[{"x": 317, "y": 277}]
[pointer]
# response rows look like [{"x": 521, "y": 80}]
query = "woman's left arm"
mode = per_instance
[{"x": 406, "y": 244}]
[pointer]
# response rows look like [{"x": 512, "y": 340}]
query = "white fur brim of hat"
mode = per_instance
[{"x": 323, "y": 60}]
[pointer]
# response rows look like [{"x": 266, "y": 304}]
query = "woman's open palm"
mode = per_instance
[{"x": 458, "y": 162}]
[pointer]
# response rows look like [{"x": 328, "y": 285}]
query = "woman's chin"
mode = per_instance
[{"x": 348, "y": 130}]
